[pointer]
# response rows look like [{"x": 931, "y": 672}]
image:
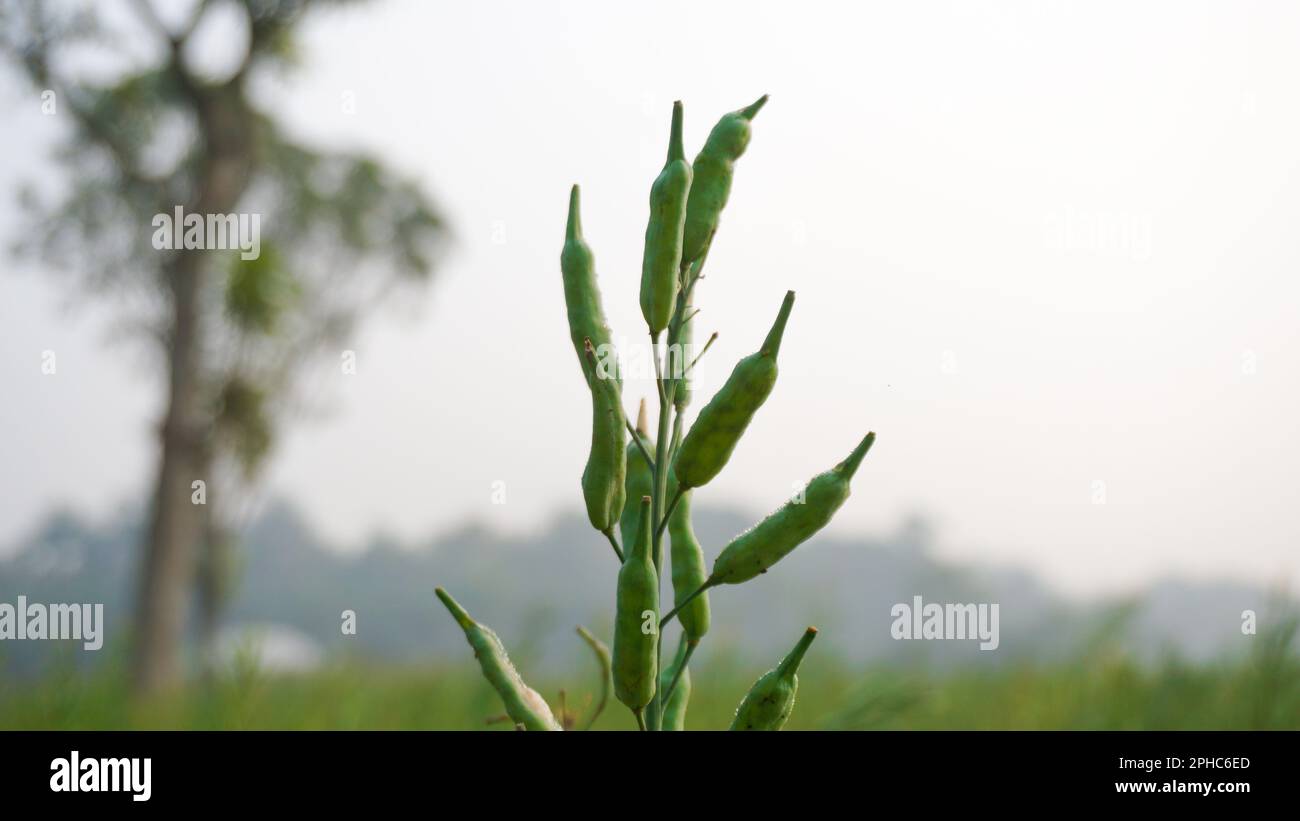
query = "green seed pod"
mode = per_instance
[
  {"x": 523, "y": 704},
  {"x": 635, "y": 648},
  {"x": 663, "y": 234},
  {"x": 763, "y": 545},
  {"x": 674, "y": 712},
  {"x": 639, "y": 481},
  {"x": 582, "y": 296},
  {"x": 604, "y": 476},
  {"x": 768, "y": 703},
  {"x": 714, "y": 167},
  {"x": 688, "y": 570},
  {"x": 722, "y": 422}
]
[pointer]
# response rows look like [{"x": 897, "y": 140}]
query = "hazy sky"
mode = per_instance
[{"x": 1037, "y": 247}]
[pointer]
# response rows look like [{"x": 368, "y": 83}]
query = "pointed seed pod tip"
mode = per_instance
[
  {"x": 675, "y": 149},
  {"x": 573, "y": 229},
  {"x": 850, "y": 465},
  {"x": 772, "y": 345},
  {"x": 791, "y": 663},
  {"x": 457, "y": 612},
  {"x": 753, "y": 108}
]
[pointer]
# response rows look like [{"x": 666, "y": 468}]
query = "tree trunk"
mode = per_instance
[{"x": 177, "y": 526}]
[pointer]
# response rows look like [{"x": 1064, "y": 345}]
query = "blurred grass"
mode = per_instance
[{"x": 1098, "y": 691}]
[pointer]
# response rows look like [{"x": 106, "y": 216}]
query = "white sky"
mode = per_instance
[{"x": 1036, "y": 245}]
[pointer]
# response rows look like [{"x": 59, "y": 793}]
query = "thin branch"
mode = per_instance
[
  {"x": 668, "y": 512},
  {"x": 686, "y": 659},
  {"x": 609, "y": 534},
  {"x": 659, "y": 369},
  {"x": 606, "y": 674},
  {"x": 671, "y": 613},
  {"x": 676, "y": 443},
  {"x": 636, "y": 437},
  {"x": 701, "y": 354},
  {"x": 36, "y": 62}
]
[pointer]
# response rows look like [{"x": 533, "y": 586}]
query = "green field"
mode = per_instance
[{"x": 1101, "y": 691}]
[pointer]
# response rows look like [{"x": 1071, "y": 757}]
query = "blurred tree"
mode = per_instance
[{"x": 339, "y": 231}]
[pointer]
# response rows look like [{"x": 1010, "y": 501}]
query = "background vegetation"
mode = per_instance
[{"x": 1100, "y": 691}]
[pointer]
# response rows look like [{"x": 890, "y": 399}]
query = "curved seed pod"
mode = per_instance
[
  {"x": 768, "y": 703},
  {"x": 523, "y": 704},
  {"x": 722, "y": 422},
  {"x": 582, "y": 296},
  {"x": 639, "y": 481},
  {"x": 636, "y": 650},
  {"x": 663, "y": 234},
  {"x": 763, "y": 545},
  {"x": 674, "y": 712},
  {"x": 688, "y": 570},
  {"x": 606, "y": 471},
  {"x": 714, "y": 167}
]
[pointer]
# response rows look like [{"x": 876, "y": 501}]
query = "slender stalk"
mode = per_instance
[
  {"x": 691, "y": 275},
  {"x": 639, "y": 445},
  {"x": 609, "y": 534},
  {"x": 660, "y": 489},
  {"x": 686, "y": 659},
  {"x": 661, "y": 699},
  {"x": 640, "y": 719},
  {"x": 659, "y": 369},
  {"x": 672, "y": 613},
  {"x": 677, "y": 438},
  {"x": 702, "y": 352},
  {"x": 601, "y": 652},
  {"x": 668, "y": 512}
]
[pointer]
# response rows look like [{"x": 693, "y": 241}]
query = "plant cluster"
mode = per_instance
[{"x": 639, "y": 491}]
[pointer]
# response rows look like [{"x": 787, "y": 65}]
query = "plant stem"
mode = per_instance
[
  {"x": 640, "y": 719},
  {"x": 659, "y": 371},
  {"x": 671, "y": 613},
  {"x": 677, "y": 437},
  {"x": 702, "y": 352},
  {"x": 690, "y": 274},
  {"x": 640, "y": 445},
  {"x": 668, "y": 512},
  {"x": 609, "y": 534},
  {"x": 686, "y": 659},
  {"x": 601, "y": 653},
  {"x": 658, "y": 491}
]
